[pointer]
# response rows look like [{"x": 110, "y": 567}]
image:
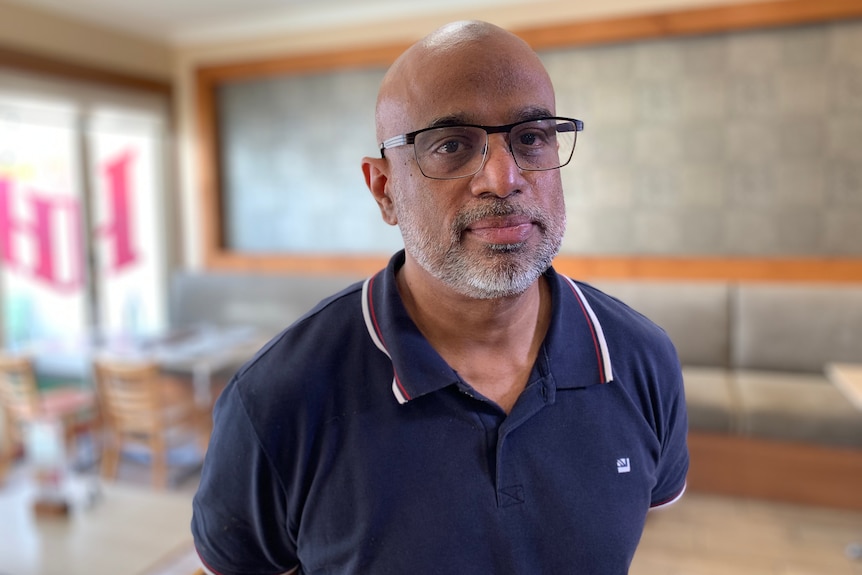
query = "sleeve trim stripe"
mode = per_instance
[{"x": 670, "y": 501}]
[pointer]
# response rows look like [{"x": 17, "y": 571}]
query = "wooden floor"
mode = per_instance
[{"x": 716, "y": 535}]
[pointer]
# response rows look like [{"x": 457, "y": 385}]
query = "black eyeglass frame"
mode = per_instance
[{"x": 410, "y": 137}]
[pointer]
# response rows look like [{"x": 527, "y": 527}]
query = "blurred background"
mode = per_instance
[
  {"x": 141, "y": 139},
  {"x": 180, "y": 179}
]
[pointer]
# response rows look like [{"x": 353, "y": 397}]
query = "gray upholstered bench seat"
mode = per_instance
[
  {"x": 710, "y": 398},
  {"x": 754, "y": 354},
  {"x": 771, "y": 405},
  {"x": 269, "y": 302},
  {"x": 795, "y": 407}
]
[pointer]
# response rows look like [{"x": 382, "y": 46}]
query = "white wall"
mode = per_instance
[{"x": 43, "y": 34}]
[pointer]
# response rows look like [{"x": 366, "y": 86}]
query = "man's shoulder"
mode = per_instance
[
  {"x": 324, "y": 321},
  {"x": 315, "y": 342},
  {"x": 619, "y": 319}
]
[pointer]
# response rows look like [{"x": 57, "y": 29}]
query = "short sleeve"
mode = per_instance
[
  {"x": 673, "y": 462},
  {"x": 239, "y": 511}
]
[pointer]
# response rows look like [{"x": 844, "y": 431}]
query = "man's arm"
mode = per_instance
[
  {"x": 239, "y": 520},
  {"x": 673, "y": 462}
]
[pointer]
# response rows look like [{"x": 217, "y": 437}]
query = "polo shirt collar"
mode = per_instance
[{"x": 574, "y": 349}]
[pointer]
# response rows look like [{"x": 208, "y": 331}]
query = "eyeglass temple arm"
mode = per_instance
[
  {"x": 573, "y": 126},
  {"x": 394, "y": 142}
]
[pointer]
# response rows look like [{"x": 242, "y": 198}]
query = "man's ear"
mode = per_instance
[{"x": 376, "y": 172}]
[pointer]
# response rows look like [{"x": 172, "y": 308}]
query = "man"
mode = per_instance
[{"x": 467, "y": 409}]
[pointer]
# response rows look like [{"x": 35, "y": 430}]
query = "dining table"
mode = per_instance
[
  {"x": 847, "y": 377},
  {"x": 199, "y": 351}
]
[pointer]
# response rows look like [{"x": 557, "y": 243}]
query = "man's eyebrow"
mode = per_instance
[
  {"x": 534, "y": 113},
  {"x": 531, "y": 113},
  {"x": 451, "y": 120}
]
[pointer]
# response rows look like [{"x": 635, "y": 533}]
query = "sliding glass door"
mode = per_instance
[{"x": 82, "y": 215}]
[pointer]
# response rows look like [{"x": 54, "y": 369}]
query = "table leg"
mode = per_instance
[{"x": 202, "y": 382}]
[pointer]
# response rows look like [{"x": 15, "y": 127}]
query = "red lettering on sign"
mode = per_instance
[{"x": 50, "y": 216}]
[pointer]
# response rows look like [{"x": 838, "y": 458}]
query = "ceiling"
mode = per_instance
[{"x": 180, "y": 22}]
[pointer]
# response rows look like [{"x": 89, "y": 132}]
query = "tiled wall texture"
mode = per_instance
[
  {"x": 737, "y": 144},
  {"x": 734, "y": 144},
  {"x": 291, "y": 159}
]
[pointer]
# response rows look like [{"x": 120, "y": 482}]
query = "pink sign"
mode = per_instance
[{"x": 45, "y": 219}]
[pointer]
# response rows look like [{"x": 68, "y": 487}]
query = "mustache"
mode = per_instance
[{"x": 496, "y": 207}]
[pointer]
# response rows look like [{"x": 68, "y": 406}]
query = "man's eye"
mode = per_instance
[
  {"x": 532, "y": 139},
  {"x": 448, "y": 147},
  {"x": 451, "y": 147}
]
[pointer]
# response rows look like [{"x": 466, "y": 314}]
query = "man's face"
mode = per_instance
[{"x": 494, "y": 233}]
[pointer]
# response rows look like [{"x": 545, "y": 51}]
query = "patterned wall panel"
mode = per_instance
[
  {"x": 736, "y": 144},
  {"x": 733, "y": 144}
]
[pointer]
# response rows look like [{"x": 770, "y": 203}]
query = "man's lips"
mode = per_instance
[{"x": 502, "y": 230}]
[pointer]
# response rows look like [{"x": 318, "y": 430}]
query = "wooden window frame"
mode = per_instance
[
  {"x": 48, "y": 66},
  {"x": 625, "y": 29}
]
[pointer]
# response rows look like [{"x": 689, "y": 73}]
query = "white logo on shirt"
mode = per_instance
[{"x": 623, "y": 465}]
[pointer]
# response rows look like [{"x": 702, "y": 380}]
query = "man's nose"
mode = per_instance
[{"x": 500, "y": 175}]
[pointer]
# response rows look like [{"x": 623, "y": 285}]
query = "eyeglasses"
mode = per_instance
[{"x": 451, "y": 152}]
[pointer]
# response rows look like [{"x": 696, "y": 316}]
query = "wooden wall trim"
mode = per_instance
[
  {"x": 669, "y": 24},
  {"x": 713, "y": 269},
  {"x": 800, "y": 473},
  {"x": 692, "y": 22},
  {"x": 607, "y": 30},
  {"x": 27, "y": 62},
  {"x": 208, "y": 173},
  {"x": 365, "y": 265},
  {"x": 834, "y": 270},
  {"x": 296, "y": 64}
]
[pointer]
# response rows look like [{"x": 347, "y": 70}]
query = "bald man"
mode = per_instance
[{"x": 467, "y": 409}]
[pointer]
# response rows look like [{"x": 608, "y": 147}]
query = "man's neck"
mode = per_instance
[{"x": 492, "y": 344}]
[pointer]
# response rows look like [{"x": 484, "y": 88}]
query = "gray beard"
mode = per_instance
[{"x": 501, "y": 271}]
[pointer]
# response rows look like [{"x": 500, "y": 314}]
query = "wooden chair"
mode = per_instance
[
  {"x": 22, "y": 402},
  {"x": 143, "y": 407}
]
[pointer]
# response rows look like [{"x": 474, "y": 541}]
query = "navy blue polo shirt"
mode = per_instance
[{"x": 348, "y": 446}]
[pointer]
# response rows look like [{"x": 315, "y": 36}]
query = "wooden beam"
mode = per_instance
[
  {"x": 582, "y": 268},
  {"x": 365, "y": 57},
  {"x": 209, "y": 184},
  {"x": 713, "y": 268},
  {"x": 691, "y": 22},
  {"x": 600, "y": 31},
  {"x": 16, "y": 59}
]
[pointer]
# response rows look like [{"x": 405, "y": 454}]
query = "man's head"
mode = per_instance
[{"x": 492, "y": 233}]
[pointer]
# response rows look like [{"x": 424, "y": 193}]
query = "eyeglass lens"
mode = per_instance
[{"x": 459, "y": 151}]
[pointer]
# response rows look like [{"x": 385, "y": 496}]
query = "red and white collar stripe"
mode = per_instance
[
  {"x": 374, "y": 332},
  {"x": 604, "y": 359},
  {"x": 603, "y": 356}
]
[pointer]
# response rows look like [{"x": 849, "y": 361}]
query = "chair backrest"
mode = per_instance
[
  {"x": 19, "y": 394},
  {"x": 129, "y": 394}
]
